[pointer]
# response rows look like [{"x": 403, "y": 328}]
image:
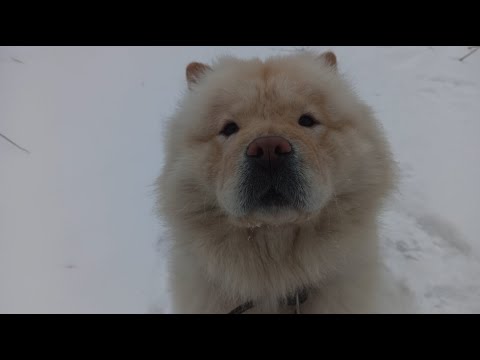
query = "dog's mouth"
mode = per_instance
[
  {"x": 271, "y": 193},
  {"x": 272, "y": 205},
  {"x": 267, "y": 193},
  {"x": 273, "y": 198}
]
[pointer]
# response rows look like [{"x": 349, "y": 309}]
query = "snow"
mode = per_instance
[{"x": 77, "y": 229}]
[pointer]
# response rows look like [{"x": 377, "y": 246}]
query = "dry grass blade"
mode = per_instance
[
  {"x": 14, "y": 143},
  {"x": 475, "y": 48}
]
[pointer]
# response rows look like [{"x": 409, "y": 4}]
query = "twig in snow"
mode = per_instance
[
  {"x": 15, "y": 144},
  {"x": 475, "y": 48},
  {"x": 16, "y": 60}
]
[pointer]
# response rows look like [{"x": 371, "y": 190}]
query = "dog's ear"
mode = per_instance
[
  {"x": 329, "y": 58},
  {"x": 195, "y": 71}
]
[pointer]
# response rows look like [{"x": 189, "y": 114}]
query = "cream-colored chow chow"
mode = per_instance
[{"x": 274, "y": 175}]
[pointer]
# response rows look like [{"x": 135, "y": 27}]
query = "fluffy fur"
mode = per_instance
[{"x": 224, "y": 253}]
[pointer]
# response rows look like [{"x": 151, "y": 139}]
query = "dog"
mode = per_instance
[{"x": 275, "y": 173}]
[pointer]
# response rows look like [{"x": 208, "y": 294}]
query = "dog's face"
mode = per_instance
[{"x": 274, "y": 142}]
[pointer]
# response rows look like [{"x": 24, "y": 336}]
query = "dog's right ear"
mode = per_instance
[
  {"x": 329, "y": 58},
  {"x": 195, "y": 71}
]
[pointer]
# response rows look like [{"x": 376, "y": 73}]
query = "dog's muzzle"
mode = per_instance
[{"x": 271, "y": 175}]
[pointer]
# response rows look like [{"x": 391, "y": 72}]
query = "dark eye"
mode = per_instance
[
  {"x": 229, "y": 129},
  {"x": 307, "y": 120}
]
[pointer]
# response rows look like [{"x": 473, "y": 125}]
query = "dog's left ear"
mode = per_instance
[
  {"x": 195, "y": 71},
  {"x": 329, "y": 58}
]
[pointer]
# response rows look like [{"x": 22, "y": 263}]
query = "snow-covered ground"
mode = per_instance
[{"x": 77, "y": 228}]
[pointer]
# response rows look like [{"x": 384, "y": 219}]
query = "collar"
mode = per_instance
[{"x": 296, "y": 299}]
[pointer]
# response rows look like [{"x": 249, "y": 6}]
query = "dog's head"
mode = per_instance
[{"x": 272, "y": 142}]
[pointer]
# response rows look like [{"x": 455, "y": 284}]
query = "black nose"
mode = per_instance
[{"x": 269, "y": 151}]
